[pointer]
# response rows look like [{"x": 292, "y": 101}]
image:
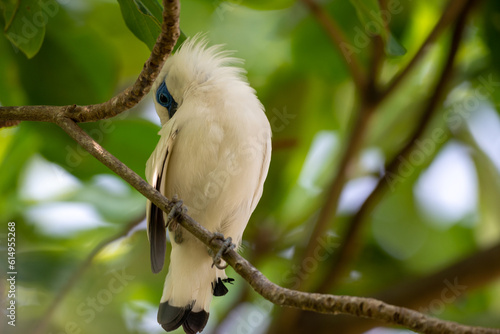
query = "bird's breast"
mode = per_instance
[{"x": 214, "y": 168}]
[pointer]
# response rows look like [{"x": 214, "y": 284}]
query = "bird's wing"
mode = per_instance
[
  {"x": 156, "y": 169},
  {"x": 263, "y": 174}
]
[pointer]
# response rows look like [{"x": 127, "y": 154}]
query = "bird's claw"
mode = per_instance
[
  {"x": 227, "y": 244},
  {"x": 176, "y": 210}
]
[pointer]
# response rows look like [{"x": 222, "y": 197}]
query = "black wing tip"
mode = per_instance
[
  {"x": 158, "y": 239},
  {"x": 154, "y": 267},
  {"x": 172, "y": 317}
]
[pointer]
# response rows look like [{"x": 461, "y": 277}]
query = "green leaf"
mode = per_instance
[
  {"x": 393, "y": 48},
  {"x": 370, "y": 15},
  {"x": 74, "y": 66},
  {"x": 25, "y": 24},
  {"x": 143, "y": 18},
  {"x": 150, "y": 7}
]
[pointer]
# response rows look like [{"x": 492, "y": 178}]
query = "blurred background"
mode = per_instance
[{"x": 418, "y": 228}]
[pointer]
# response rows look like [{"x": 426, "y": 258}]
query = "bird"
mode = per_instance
[{"x": 212, "y": 157}]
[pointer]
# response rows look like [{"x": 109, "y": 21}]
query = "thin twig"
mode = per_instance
[
  {"x": 40, "y": 327},
  {"x": 348, "y": 246},
  {"x": 372, "y": 92},
  {"x": 329, "y": 304},
  {"x": 338, "y": 38},
  {"x": 450, "y": 13}
]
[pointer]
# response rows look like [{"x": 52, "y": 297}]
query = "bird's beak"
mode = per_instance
[{"x": 172, "y": 110}]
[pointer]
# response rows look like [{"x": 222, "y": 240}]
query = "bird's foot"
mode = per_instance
[
  {"x": 176, "y": 210},
  {"x": 227, "y": 244}
]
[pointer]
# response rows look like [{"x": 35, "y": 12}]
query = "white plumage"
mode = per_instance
[{"x": 214, "y": 154}]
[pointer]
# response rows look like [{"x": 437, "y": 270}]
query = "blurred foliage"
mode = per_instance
[{"x": 65, "y": 203}]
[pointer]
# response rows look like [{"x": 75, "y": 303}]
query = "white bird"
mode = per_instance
[{"x": 214, "y": 155}]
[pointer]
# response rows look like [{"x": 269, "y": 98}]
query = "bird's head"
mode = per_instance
[{"x": 194, "y": 65}]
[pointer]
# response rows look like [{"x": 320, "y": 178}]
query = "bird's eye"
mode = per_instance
[{"x": 163, "y": 98}]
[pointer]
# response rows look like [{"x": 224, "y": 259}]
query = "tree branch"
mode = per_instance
[
  {"x": 330, "y": 304},
  {"x": 349, "y": 246},
  {"x": 123, "y": 101}
]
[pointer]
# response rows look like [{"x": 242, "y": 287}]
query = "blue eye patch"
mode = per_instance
[{"x": 164, "y": 98}]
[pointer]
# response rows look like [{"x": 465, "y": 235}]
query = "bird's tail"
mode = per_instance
[{"x": 190, "y": 284}]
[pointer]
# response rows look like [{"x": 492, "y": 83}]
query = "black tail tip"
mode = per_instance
[
  {"x": 195, "y": 322},
  {"x": 172, "y": 317}
]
